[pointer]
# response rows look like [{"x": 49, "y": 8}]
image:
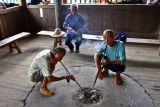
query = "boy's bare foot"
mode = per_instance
[
  {"x": 102, "y": 74},
  {"x": 118, "y": 80},
  {"x": 46, "y": 92},
  {"x": 105, "y": 72}
]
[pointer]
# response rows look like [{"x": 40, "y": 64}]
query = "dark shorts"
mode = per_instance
[
  {"x": 37, "y": 76},
  {"x": 115, "y": 67}
]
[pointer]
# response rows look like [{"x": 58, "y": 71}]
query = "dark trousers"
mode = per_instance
[
  {"x": 113, "y": 67},
  {"x": 37, "y": 76},
  {"x": 69, "y": 37},
  {"x": 116, "y": 67}
]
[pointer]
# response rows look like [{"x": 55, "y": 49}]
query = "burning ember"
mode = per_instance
[{"x": 90, "y": 96}]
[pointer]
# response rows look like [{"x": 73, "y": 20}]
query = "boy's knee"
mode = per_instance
[
  {"x": 78, "y": 43},
  {"x": 116, "y": 68},
  {"x": 37, "y": 77}
]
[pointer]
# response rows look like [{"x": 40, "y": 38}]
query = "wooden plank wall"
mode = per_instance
[
  {"x": 12, "y": 21},
  {"x": 47, "y": 22},
  {"x": 136, "y": 20}
]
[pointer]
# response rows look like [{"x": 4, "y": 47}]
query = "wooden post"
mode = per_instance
[
  {"x": 57, "y": 12},
  {"x": 16, "y": 45},
  {"x": 64, "y": 1},
  {"x": 10, "y": 48},
  {"x": 23, "y": 2}
]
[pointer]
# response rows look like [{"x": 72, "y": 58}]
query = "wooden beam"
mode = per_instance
[
  {"x": 23, "y": 2},
  {"x": 10, "y": 48},
  {"x": 16, "y": 45},
  {"x": 64, "y": 1},
  {"x": 57, "y": 12}
]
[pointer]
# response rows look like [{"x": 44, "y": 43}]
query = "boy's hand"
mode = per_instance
[
  {"x": 104, "y": 61},
  {"x": 69, "y": 28},
  {"x": 74, "y": 31},
  {"x": 70, "y": 77}
]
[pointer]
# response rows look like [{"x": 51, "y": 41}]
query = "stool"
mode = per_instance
[
  {"x": 57, "y": 35},
  {"x": 57, "y": 40}
]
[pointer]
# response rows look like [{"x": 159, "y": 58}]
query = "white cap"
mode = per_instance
[{"x": 73, "y": 5}]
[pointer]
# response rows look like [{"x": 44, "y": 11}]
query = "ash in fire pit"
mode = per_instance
[{"x": 90, "y": 95}]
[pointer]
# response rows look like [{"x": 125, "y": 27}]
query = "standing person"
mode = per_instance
[
  {"x": 74, "y": 24},
  {"x": 43, "y": 66},
  {"x": 7, "y": 5},
  {"x": 110, "y": 55},
  {"x": 36, "y": 2},
  {"x": 3, "y": 6}
]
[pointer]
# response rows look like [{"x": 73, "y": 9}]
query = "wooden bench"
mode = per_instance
[
  {"x": 129, "y": 40},
  {"x": 100, "y": 38},
  {"x": 144, "y": 41},
  {"x": 85, "y": 36},
  {"x": 48, "y": 33},
  {"x": 12, "y": 41},
  {"x": 57, "y": 40}
]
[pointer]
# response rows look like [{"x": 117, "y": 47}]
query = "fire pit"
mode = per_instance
[
  {"x": 90, "y": 95},
  {"x": 107, "y": 93}
]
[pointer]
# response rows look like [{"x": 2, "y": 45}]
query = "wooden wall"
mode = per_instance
[
  {"x": 12, "y": 21},
  {"x": 136, "y": 20},
  {"x": 37, "y": 23}
]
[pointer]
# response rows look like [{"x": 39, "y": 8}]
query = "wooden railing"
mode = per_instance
[
  {"x": 72, "y": 1},
  {"x": 100, "y": 1},
  {"x": 135, "y": 20}
]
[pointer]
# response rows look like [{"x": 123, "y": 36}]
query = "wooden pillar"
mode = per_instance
[
  {"x": 10, "y": 48},
  {"x": 64, "y": 1},
  {"x": 57, "y": 12},
  {"x": 16, "y": 45},
  {"x": 2, "y": 28},
  {"x": 23, "y": 2}
]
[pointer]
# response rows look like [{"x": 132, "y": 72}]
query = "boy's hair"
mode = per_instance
[
  {"x": 74, "y": 5},
  {"x": 109, "y": 32},
  {"x": 59, "y": 50}
]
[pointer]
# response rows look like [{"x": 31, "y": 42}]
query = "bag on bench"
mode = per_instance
[{"x": 121, "y": 36}]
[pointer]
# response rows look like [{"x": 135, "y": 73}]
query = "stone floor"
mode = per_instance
[
  {"x": 67, "y": 95},
  {"x": 143, "y": 70}
]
